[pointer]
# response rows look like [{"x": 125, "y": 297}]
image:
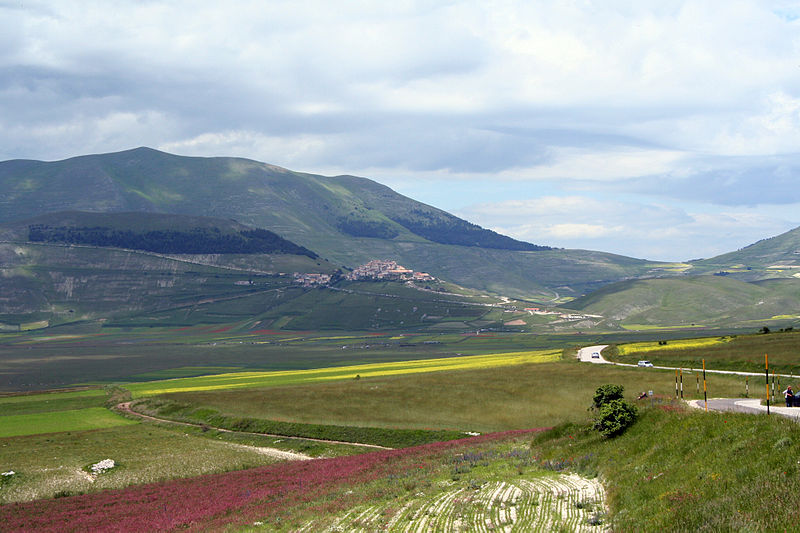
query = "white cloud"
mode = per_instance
[
  {"x": 293, "y": 150},
  {"x": 584, "y": 231},
  {"x": 645, "y": 230}
]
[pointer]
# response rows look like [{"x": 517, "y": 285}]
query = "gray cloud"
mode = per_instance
[
  {"x": 690, "y": 101},
  {"x": 729, "y": 181}
]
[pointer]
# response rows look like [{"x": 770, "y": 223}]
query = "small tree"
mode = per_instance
[
  {"x": 605, "y": 394},
  {"x": 614, "y": 414},
  {"x": 614, "y": 418}
]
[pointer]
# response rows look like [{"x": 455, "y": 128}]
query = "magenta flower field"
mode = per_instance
[{"x": 213, "y": 501}]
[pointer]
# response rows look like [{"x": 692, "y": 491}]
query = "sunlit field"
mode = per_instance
[
  {"x": 238, "y": 380},
  {"x": 58, "y": 421},
  {"x": 683, "y": 344}
]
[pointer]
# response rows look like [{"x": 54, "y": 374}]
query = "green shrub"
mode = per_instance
[
  {"x": 615, "y": 417},
  {"x": 607, "y": 393}
]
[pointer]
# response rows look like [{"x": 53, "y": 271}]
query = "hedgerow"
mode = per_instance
[{"x": 387, "y": 437}]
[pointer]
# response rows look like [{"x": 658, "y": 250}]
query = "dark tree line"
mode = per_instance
[
  {"x": 463, "y": 233},
  {"x": 193, "y": 241}
]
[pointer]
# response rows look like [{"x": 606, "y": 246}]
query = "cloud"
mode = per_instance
[
  {"x": 730, "y": 181},
  {"x": 694, "y": 101},
  {"x": 631, "y": 228}
]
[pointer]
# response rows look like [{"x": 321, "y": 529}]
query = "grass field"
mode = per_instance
[
  {"x": 60, "y": 421},
  {"x": 479, "y": 399},
  {"x": 673, "y": 470},
  {"x": 55, "y": 465}
]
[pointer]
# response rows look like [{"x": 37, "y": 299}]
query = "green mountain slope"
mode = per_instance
[
  {"x": 345, "y": 219},
  {"x": 693, "y": 301},
  {"x": 777, "y": 256}
]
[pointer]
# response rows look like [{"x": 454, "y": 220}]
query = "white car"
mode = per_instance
[
  {"x": 595, "y": 355},
  {"x": 644, "y": 363}
]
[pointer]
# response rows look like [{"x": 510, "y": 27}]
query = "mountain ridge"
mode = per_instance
[{"x": 347, "y": 219}]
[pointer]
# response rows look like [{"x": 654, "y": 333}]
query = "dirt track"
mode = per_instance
[{"x": 125, "y": 407}]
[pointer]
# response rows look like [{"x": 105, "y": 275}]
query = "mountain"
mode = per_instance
[
  {"x": 693, "y": 301},
  {"x": 768, "y": 258},
  {"x": 258, "y": 194},
  {"x": 345, "y": 219}
]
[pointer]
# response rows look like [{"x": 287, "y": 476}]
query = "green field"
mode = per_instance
[
  {"x": 55, "y": 464},
  {"x": 63, "y": 358},
  {"x": 60, "y": 421},
  {"x": 483, "y": 400}
]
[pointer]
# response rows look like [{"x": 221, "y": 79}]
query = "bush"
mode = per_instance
[
  {"x": 615, "y": 417},
  {"x": 605, "y": 394}
]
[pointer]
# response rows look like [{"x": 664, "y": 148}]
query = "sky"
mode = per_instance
[{"x": 665, "y": 130}]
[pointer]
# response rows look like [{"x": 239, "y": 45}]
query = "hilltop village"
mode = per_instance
[
  {"x": 378, "y": 270},
  {"x": 387, "y": 270}
]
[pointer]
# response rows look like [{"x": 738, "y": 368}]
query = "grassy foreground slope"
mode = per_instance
[{"x": 681, "y": 470}]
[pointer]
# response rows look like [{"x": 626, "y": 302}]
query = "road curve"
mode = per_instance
[
  {"x": 585, "y": 355},
  {"x": 746, "y": 405}
]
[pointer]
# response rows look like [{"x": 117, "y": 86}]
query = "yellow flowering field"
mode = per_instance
[
  {"x": 236, "y": 380},
  {"x": 683, "y": 344}
]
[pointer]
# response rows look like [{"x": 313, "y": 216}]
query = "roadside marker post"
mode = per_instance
[
  {"x": 746, "y": 387},
  {"x": 766, "y": 376},
  {"x": 705, "y": 387},
  {"x": 676, "y": 383},
  {"x": 773, "y": 385},
  {"x": 681, "y": 384}
]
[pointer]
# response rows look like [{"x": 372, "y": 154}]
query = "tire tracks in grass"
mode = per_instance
[{"x": 538, "y": 504}]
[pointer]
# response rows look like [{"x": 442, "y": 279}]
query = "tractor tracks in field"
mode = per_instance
[{"x": 125, "y": 408}]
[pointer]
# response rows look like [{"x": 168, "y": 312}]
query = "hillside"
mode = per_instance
[
  {"x": 71, "y": 266},
  {"x": 777, "y": 256},
  {"x": 141, "y": 275},
  {"x": 345, "y": 219},
  {"x": 693, "y": 301}
]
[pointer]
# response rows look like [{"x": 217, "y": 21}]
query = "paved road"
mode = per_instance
[
  {"x": 585, "y": 356},
  {"x": 747, "y": 405}
]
